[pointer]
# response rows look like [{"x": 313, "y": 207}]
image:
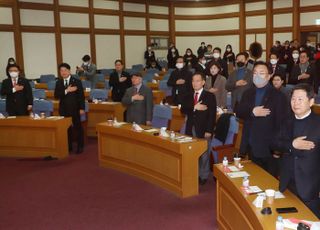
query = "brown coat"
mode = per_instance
[{"x": 220, "y": 84}]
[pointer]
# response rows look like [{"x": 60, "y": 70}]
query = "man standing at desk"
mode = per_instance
[
  {"x": 200, "y": 107},
  {"x": 139, "y": 102},
  {"x": 88, "y": 70},
  {"x": 18, "y": 92},
  {"x": 299, "y": 140},
  {"x": 70, "y": 93}
]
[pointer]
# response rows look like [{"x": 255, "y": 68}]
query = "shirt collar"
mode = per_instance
[
  {"x": 68, "y": 78},
  {"x": 138, "y": 87},
  {"x": 303, "y": 117},
  {"x": 199, "y": 92}
]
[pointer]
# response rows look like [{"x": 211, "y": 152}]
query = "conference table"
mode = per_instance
[
  {"x": 178, "y": 119},
  {"x": 27, "y": 137},
  {"x": 169, "y": 164},
  {"x": 235, "y": 209}
]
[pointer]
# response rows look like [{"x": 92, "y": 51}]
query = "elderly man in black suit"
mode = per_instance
[
  {"x": 200, "y": 107},
  {"x": 70, "y": 93},
  {"x": 263, "y": 109},
  {"x": 299, "y": 140},
  {"x": 18, "y": 92}
]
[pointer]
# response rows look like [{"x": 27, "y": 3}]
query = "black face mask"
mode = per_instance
[{"x": 240, "y": 64}]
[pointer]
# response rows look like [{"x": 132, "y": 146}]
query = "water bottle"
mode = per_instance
[
  {"x": 115, "y": 120},
  {"x": 225, "y": 163},
  {"x": 172, "y": 135},
  {"x": 279, "y": 223},
  {"x": 245, "y": 182},
  {"x": 134, "y": 126}
]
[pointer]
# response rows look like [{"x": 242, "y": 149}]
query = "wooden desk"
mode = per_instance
[
  {"x": 236, "y": 211},
  {"x": 153, "y": 86},
  {"x": 50, "y": 94},
  {"x": 25, "y": 137},
  {"x": 158, "y": 96},
  {"x": 177, "y": 120},
  {"x": 41, "y": 86},
  {"x": 170, "y": 165},
  {"x": 316, "y": 108}
]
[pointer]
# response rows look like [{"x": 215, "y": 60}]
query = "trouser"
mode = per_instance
[
  {"x": 204, "y": 160},
  {"x": 313, "y": 204},
  {"x": 76, "y": 130},
  {"x": 94, "y": 80}
]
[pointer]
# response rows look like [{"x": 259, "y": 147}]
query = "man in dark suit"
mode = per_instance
[
  {"x": 139, "y": 102},
  {"x": 263, "y": 109},
  {"x": 275, "y": 68},
  {"x": 200, "y": 108},
  {"x": 180, "y": 81},
  {"x": 18, "y": 92},
  {"x": 201, "y": 65},
  {"x": 119, "y": 81},
  {"x": 70, "y": 93},
  {"x": 299, "y": 140}
]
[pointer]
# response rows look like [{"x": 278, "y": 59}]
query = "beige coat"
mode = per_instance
[{"x": 220, "y": 84}]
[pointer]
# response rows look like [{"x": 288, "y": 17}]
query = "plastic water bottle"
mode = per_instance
[
  {"x": 115, "y": 120},
  {"x": 245, "y": 182},
  {"x": 172, "y": 135},
  {"x": 279, "y": 223},
  {"x": 134, "y": 126},
  {"x": 225, "y": 163}
]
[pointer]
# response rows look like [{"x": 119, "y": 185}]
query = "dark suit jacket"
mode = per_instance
[
  {"x": 302, "y": 165},
  {"x": 203, "y": 121},
  {"x": 139, "y": 111},
  {"x": 199, "y": 68},
  {"x": 17, "y": 103},
  {"x": 258, "y": 132},
  {"x": 180, "y": 91},
  {"x": 70, "y": 103},
  {"x": 119, "y": 88},
  {"x": 279, "y": 71},
  {"x": 296, "y": 71},
  {"x": 149, "y": 58}
]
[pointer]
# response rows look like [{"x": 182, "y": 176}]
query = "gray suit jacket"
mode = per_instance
[
  {"x": 138, "y": 111},
  {"x": 220, "y": 84},
  {"x": 237, "y": 91},
  {"x": 90, "y": 71}
]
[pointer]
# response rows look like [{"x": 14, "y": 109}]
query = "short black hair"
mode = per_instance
[
  {"x": 245, "y": 54},
  {"x": 277, "y": 55},
  {"x": 217, "y": 48},
  {"x": 305, "y": 87},
  {"x": 201, "y": 74},
  {"x": 203, "y": 43},
  {"x": 201, "y": 56},
  {"x": 304, "y": 51},
  {"x": 118, "y": 60},
  {"x": 209, "y": 45},
  {"x": 179, "y": 57},
  {"x": 262, "y": 63},
  {"x": 86, "y": 58},
  {"x": 64, "y": 65},
  {"x": 214, "y": 63}
]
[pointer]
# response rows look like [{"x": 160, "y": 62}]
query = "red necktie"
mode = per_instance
[{"x": 195, "y": 99}]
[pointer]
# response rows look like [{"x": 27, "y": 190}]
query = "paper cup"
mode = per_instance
[
  {"x": 270, "y": 193},
  {"x": 236, "y": 161}
]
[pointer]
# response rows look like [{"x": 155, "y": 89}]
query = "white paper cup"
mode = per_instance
[
  {"x": 270, "y": 194},
  {"x": 236, "y": 161}
]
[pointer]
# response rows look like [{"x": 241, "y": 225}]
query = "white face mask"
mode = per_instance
[
  {"x": 173, "y": 50},
  {"x": 273, "y": 61},
  {"x": 85, "y": 63},
  {"x": 14, "y": 74},
  {"x": 295, "y": 55},
  {"x": 203, "y": 62},
  {"x": 216, "y": 55},
  {"x": 179, "y": 65},
  {"x": 228, "y": 49},
  {"x": 188, "y": 53}
]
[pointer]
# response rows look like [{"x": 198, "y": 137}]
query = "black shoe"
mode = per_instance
[
  {"x": 79, "y": 150},
  {"x": 202, "y": 181}
]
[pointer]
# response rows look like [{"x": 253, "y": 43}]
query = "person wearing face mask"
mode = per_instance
[
  {"x": 263, "y": 109},
  {"x": 172, "y": 56},
  {"x": 293, "y": 60},
  {"x": 149, "y": 56},
  {"x": 201, "y": 65},
  {"x": 285, "y": 54},
  {"x": 216, "y": 84},
  {"x": 240, "y": 79},
  {"x": 208, "y": 54},
  {"x": 317, "y": 55},
  {"x": 189, "y": 58},
  {"x": 304, "y": 71},
  {"x": 88, "y": 70},
  {"x": 229, "y": 56},
  {"x": 276, "y": 48},
  {"x": 18, "y": 92},
  {"x": 274, "y": 66},
  {"x": 202, "y": 49},
  {"x": 180, "y": 81},
  {"x": 223, "y": 63},
  {"x": 11, "y": 61}
]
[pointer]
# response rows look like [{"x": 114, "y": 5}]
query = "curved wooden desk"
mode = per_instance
[
  {"x": 25, "y": 137},
  {"x": 236, "y": 211},
  {"x": 168, "y": 164}
]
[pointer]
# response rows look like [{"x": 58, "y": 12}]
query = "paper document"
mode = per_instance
[
  {"x": 238, "y": 174},
  {"x": 151, "y": 130}
]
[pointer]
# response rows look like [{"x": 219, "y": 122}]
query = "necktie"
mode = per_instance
[
  {"x": 135, "y": 90},
  {"x": 195, "y": 99},
  {"x": 66, "y": 83},
  {"x": 14, "y": 82}
]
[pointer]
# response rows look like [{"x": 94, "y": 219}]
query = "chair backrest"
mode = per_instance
[
  {"x": 163, "y": 86},
  {"x": 3, "y": 109},
  {"x": 152, "y": 71},
  {"x": 170, "y": 70},
  {"x": 51, "y": 85},
  {"x": 106, "y": 71},
  {"x": 166, "y": 76},
  {"x": 161, "y": 116},
  {"x": 45, "y": 78},
  {"x": 138, "y": 67},
  {"x": 148, "y": 77},
  {"x": 100, "y": 77},
  {"x": 86, "y": 84},
  {"x": 106, "y": 84},
  {"x": 42, "y": 106},
  {"x": 101, "y": 94},
  {"x": 39, "y": 93}
]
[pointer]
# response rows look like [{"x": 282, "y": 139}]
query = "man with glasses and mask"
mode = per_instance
[
  {"x": 240, "y": 79},
  {"x": 263, "y": 109}
]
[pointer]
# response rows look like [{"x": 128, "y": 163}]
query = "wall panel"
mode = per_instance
[
  {"x": 159, "y": 24},
  {"x": 36, "y": 17},
  {"x": 282, "y": 4},
  {"x": 207, "y": 10},
  {"x": 38, "y": 1},
  {"x": 74, "y": 47},
  {"x": 83, "y": 3},
  {"x": 207, "y": 25},
  {"x": 282, "y": 20},
  {"x": 282, "y": 37},
  {"x": 134, "y": 48},
  {"x": 134, "y": 23},
  {"x": 5, "y": 15},
  {"x": 308, "y": 2},
  {"x": 108, "y": 50},
  {"x": 254, "y": 22},
  {"x": 158, "y": 9},
  {"x": 134, "y": 7},
  {"x": 106, "y": 22},
  {"x": 74, "y": 20},
  {"x": 39, "y": 51},
  {"x": 309, "y": 18},
  {"x": 256, "y": 6},
  {"x": 7, "y": 50},
  {"x": 104, "y": 4}
]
